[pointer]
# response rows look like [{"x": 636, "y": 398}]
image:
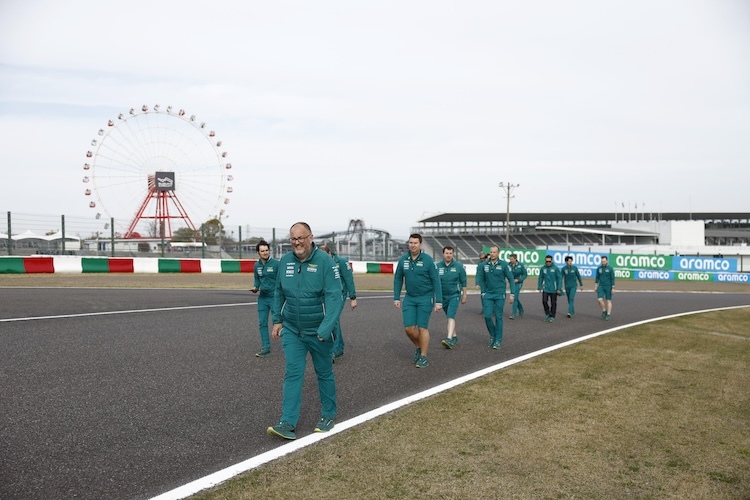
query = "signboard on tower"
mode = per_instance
[{"x": 165, "y": 181}]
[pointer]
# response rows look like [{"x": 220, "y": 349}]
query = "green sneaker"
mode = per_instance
[
  {"x": 282, "y": 430},
  {"x": 447, "y": 343},
  {"x": 454, "y": 341},
  {"x": 324, "y": 425},
  {"x": 422, "y": 362},
  {"x": 417, "y": 354},
  {"x": 336, "y": 355},
  {"x": 496, "y": 344},
  {"x": 546, "y": 318},
  {"x": 263, "y": 353},
  {"x": 604, "y": 314},
  {"x": 512, "y": 316},
  {"x": 491, "y": 342},
  {"x": 607, "y": 317}
]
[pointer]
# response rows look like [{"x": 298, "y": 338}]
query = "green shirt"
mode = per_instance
[
  {"x": 605, "y": 276},
  {"x": 452, "y": 278},
  {"x": 550, "y": 279},
  {"x": 571, "y": 276},
  {"x": 419, "y": 276}
]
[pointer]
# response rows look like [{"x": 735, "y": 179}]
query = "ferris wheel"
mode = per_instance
[{"x": 155, "y": 170}]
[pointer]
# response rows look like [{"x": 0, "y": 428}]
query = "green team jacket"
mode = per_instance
[
  {"x": 571, "y": 276},
  {"x": 265, "y": 276},
  {"x": 491, "y": 277},
  {"x": 550, "y": 279},
  {"x": 605, "y": 276},
  {"x": 308, "y": 294},
  {"x": 347, "y": 277},
  {"x": 420, "y": 277},
  {"x": 452, "y": 278},
  {"x": 519, "y": 272}
]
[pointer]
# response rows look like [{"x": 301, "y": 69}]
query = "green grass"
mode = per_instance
[{"x": 657, "y": 411}]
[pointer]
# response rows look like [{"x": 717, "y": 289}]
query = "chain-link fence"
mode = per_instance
[{"x": 23, "y": 234}]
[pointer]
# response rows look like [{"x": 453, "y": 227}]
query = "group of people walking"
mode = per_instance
[{"x": 304, "y": 294}]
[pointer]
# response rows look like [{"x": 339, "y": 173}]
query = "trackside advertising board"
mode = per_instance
[{"x": 639, "y": 266}]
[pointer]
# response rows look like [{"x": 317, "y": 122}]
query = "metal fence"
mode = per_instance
[{"x": 23, "y": 234}]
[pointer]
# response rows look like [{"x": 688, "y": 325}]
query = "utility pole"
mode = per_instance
[{"x": 508, "y": 188}]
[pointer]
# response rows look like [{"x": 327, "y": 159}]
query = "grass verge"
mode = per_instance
[{"x": 657, "y": 411}]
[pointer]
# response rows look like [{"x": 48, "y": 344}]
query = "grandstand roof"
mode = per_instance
[
  {"x": 582, "y": 216},
  {"x": 611, "y": 232}
]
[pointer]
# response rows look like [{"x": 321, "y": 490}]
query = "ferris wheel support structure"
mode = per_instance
[{"x": 162, "y": 213}]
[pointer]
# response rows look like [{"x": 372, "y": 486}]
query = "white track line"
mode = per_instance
[
  {"x": 223, "y": 475},
  {"x": 130, "y": 311}
]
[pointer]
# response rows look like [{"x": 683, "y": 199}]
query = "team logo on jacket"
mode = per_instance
[{"x": 290, "y": 269}]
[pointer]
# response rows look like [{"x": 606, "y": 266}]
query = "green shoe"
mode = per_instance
[
  {"x": 454, "y": 341},
  {"x": 282, "y": 430},
  {"x": 546, "y": 318},
  {"x": 604, "y": 314},
  {"x": 336, "y": 355},
  {"x": 447, "y": 343},
  {"x": 324, "y": 425},
  {"x": 512, "y": 316},
  {"x": 551, "y": 319},
  {"x": 417, "y": 354},
  {"x": 263, "y": 353},
  {"x": 496, "y": 344},
  {"x": 607, "y": 317},
  {"x": 491, "y": 342},
  {"x": 422, "y": 362}
]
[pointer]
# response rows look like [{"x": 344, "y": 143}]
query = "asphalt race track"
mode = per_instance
[{"x": 129, "y": 393}]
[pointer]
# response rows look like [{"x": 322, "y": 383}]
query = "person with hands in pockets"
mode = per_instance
[
  {"x": 264, "y": 281},
  {"x": 306, "y": 306}
]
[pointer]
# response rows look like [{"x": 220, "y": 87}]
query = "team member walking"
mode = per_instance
[
  {"x": 264, "y": 274},
  {"x": 347, "y": 290},
  {"x": 305, "y": 310},
  {"x": 550, "y": 284},
  {"x": 453, "y": 280},
  {"x": 416, "y": 270},
  {"x": 605, "y": 286},
  {"x": 482, "y": 260},
  {"x": 571, "y": 279},
  {"x": 519, "y": 275},
  {"x": 491, "y": 277}
]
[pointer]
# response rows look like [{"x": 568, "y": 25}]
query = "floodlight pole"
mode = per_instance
[{"x": 508, "y": 188}]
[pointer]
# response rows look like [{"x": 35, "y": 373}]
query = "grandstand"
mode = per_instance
[{"x": 675, "y": 232}]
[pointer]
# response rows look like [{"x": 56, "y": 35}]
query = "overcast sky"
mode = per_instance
[{"x": 392, "y": 111}]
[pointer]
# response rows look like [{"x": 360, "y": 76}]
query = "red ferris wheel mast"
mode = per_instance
[{"x": 161, "y": 190}]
